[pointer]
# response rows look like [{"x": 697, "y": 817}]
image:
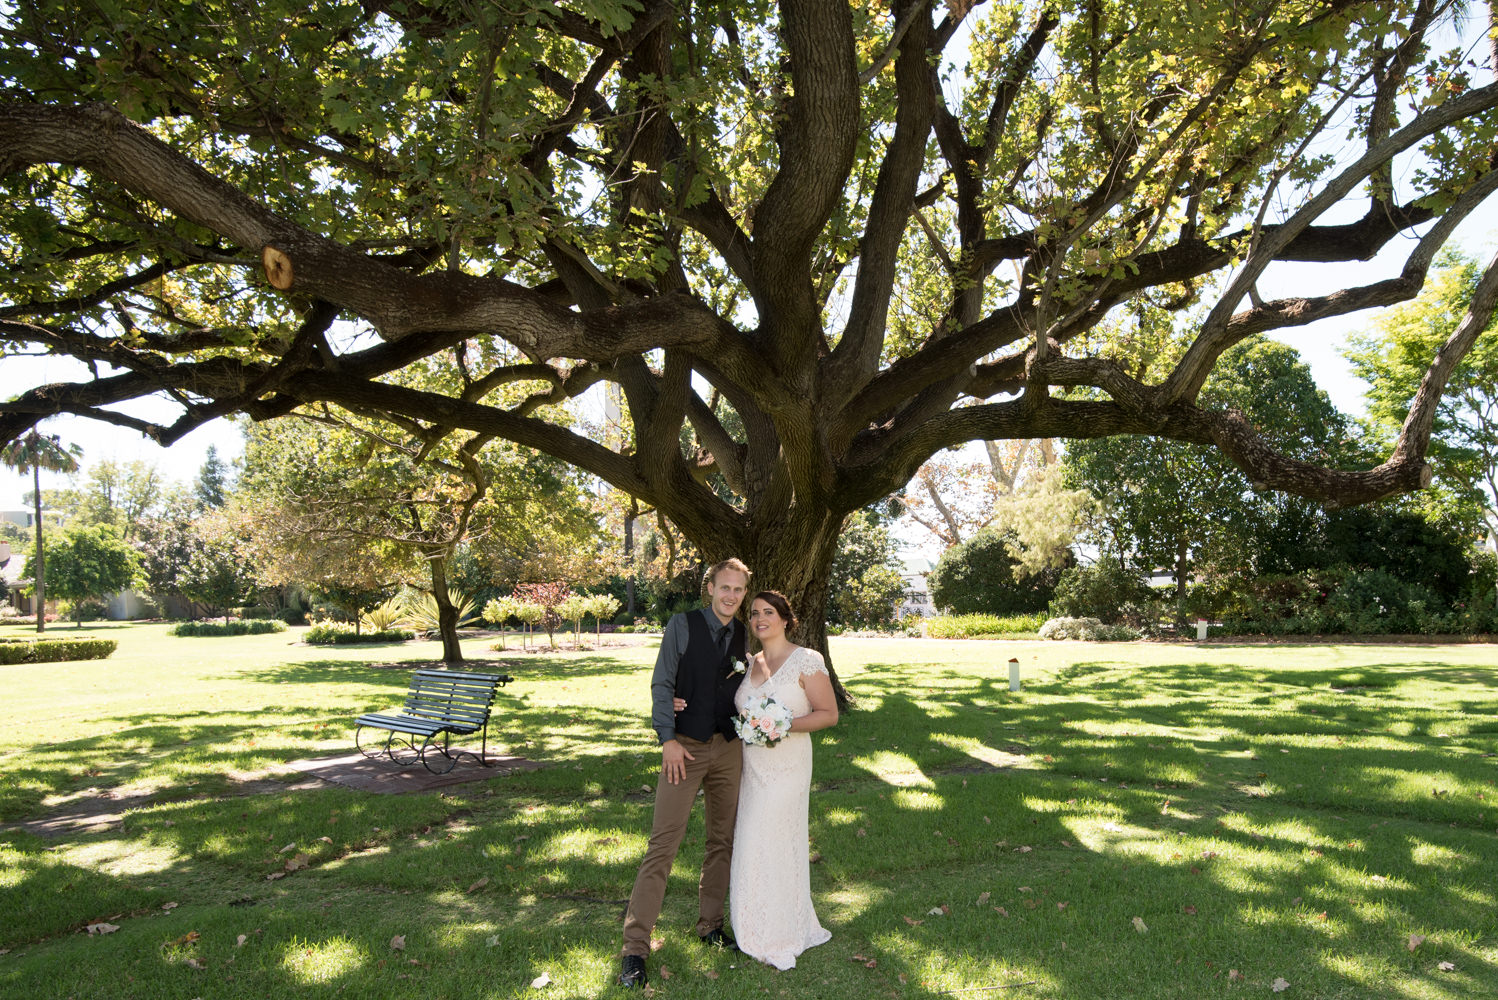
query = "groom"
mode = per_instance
[{"x": 698, "y": 662}]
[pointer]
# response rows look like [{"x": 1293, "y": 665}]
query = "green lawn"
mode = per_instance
[{"x": 1139, "y": 821}]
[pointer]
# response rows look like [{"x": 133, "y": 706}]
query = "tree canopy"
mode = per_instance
[
  {"x": 811, "y": 243},
  {"x": 1464, "y": 448}
]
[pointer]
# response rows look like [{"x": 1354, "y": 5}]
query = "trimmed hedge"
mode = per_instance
[
  {"x": 54, "y": 650},
  {"x": 201, "y": 629},
  {"x": 970, "y": 626}
]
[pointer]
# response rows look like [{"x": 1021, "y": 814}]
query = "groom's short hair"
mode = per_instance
[{"x": 730, "y": 563}]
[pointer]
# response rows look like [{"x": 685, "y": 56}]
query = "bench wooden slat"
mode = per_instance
[{"x": 440, "y": 703}]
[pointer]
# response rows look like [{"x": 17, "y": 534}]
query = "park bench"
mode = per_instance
[{"x": 439, "y": 705}]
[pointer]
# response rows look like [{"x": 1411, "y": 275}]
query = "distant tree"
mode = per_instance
[
  {"x": 1464, "y": 442},
  {"x": 212, "y": 484},
  {"x": 339, "y": 498},
  {"x": 219, "y": 573},
  {"x": 167, "y": 540},
  {"x": 36, "y": 451},
  {"x": 1171, "y": 504},
  {"x": 982, "y": 576},
  {"x": 549, "y": 598},
  {"x": 90, "y": 561},
  {"x": 865, "y": 586},
  {"x": 118, "y": 493}
]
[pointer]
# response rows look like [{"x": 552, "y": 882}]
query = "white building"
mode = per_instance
[{"x": 917, "y": 597}]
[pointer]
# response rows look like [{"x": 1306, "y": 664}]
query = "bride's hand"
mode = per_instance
[{"x": 679, "y": 704}]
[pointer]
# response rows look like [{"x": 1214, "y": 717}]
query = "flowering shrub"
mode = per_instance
[
  {"x": 330, "y": 633},
  {"x": 1089, "y": 629}
]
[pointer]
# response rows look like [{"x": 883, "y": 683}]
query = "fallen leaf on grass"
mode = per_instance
[
  {"x": 195, "y": 963},
  {"x": 102, "y": 928},
  {"x": 1234, "y": 975},
  {"x": 862, "y": 832},
  {"x": 1190, "y": 911},
  {"x": 665, "y": 973},
  {"x": 1446, "y": 967},
  {"x": 298, "y": 863},
  {"x": 275, "y": 875},
  {"x": 239, "y": 941},
  {"x": 492, "y": 940},
  {"x": 543, "y": 980},
  {"x": 1279, "y": 986},
  {"x": 1023, "y": 850},
  {"x": 1062, "y": 906},
  {"x": 287, "y": 849},
  {"x": 1001, "y": 911},
  {"x": 711, "y": 973},
  {"x": 982, "y": 898},
  {"x": 1139, "y": 925},
  {"x": 398, "y": 943},
  {"x": 1414, "y": 941},
  {"x": 912, "y": 921},
  {"x": 168, "y": 906},
  {"x": 479, "y": 884},
  {"x": 191, "y": 937},
  {"x": 939, "y": 911}
]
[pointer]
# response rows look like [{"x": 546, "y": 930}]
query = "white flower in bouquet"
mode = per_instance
[{"x": 764, "y": 722}]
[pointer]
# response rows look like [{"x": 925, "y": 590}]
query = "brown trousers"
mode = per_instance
[{"x": 716, "y": 769}]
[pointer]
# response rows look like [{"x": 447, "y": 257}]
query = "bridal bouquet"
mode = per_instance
[{"x": 764, "y": 722}]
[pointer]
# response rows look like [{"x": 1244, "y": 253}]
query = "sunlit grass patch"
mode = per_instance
[{"x": 322, "y": 961}]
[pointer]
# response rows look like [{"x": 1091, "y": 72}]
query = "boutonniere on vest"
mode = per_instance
[{"x": 739, "y": 666}]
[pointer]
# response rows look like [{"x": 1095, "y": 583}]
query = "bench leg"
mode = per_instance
[
  {"x": 373, "y": 746},
  {"x": 443, "y": 756}
]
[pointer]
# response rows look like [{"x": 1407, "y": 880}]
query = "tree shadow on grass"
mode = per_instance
[{"x": 907, "y": 819}]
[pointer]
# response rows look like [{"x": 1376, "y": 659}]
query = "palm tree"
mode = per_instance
[{"x": 37, "y": 452}]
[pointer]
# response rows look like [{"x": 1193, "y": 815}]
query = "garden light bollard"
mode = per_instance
[
  {"x": 1013, "y": 673},
  {"x": 1201, "y": 629}
]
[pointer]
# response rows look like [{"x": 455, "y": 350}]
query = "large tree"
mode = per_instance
[{"x": 798, "y": 213}]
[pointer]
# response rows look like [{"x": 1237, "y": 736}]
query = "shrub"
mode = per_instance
[
  {"x": 978, "y": 577},
  {"x": 54, "y": 650},
  {"x": 206, "y": 629},
  {"x": 87, "y": 609},
  {"x": 329, "y": 633},
  {"x": 968, "y": 626},
  {"x": 1089, "y": 629},
  {"x": 1099, "y": 591},
  {"x": 292, "y": 616}
]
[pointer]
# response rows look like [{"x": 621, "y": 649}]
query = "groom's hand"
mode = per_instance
[{"x": 674, "y": 759}]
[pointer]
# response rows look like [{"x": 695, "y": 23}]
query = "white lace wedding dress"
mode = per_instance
[{"x": 770, "y": 885}]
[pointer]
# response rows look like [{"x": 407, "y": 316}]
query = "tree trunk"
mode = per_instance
[
  {"x": 41, "y": 558},
  {"x": 794, "y": 556},
  {"x": 1181, "y": 574},
  {"x": 629, "y": 551},
  {"x": 447, "y": 615}
]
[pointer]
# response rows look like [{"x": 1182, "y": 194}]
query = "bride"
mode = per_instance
[{"x": 770, "y": 880}]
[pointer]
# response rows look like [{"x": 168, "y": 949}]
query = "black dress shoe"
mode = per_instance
[
  {"x": 717, "y": 939},
  {"x": 632, "y": 972}
]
